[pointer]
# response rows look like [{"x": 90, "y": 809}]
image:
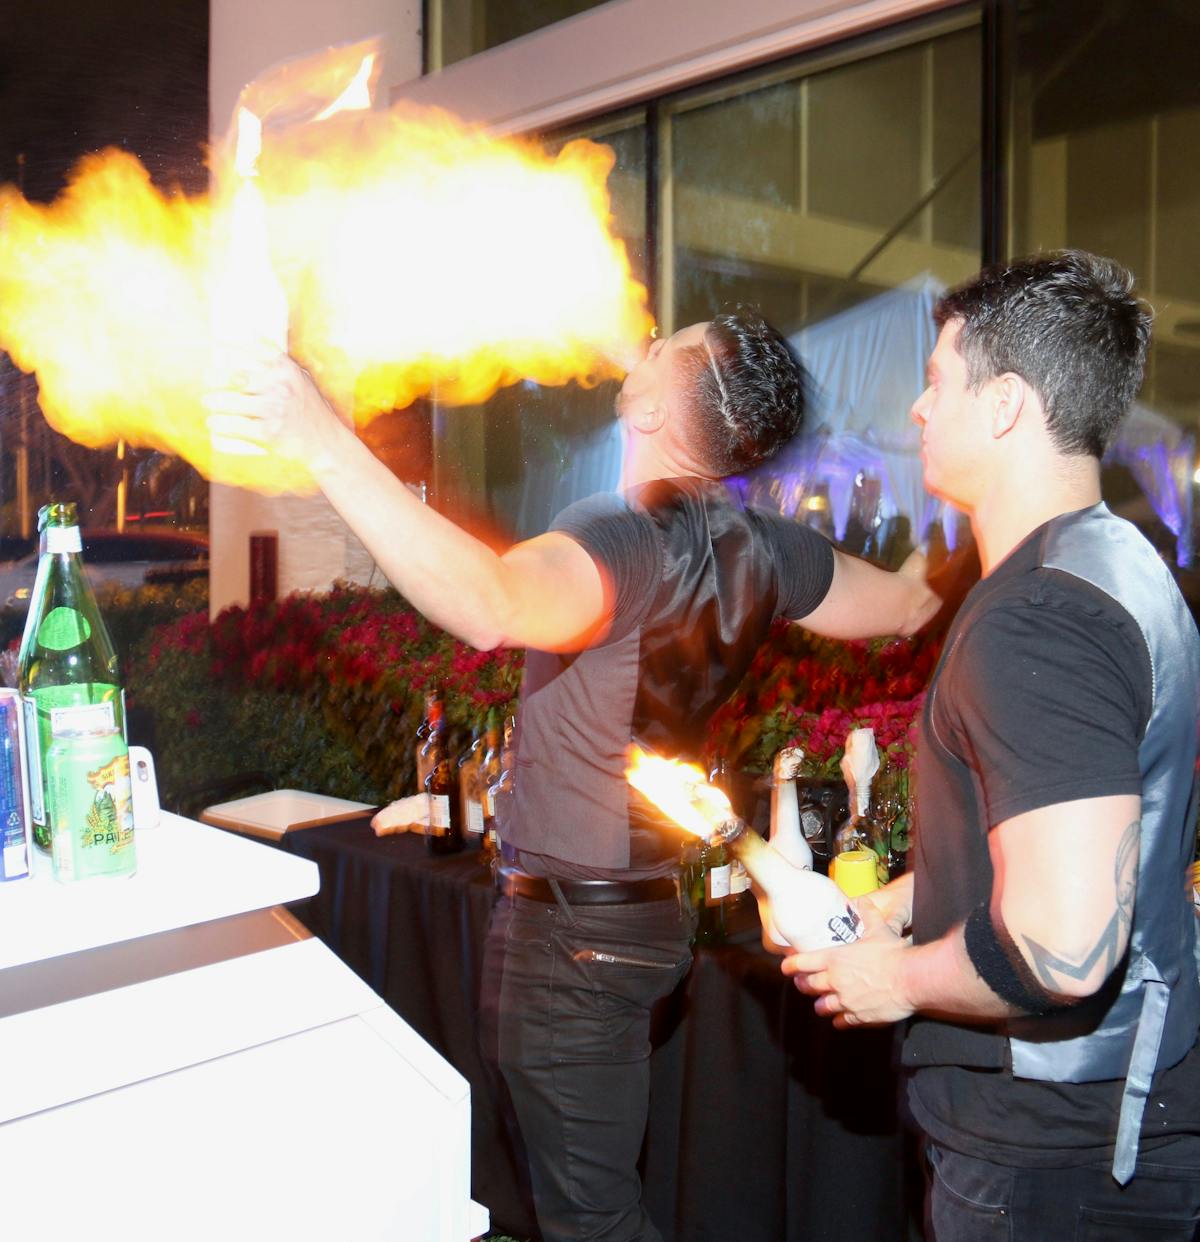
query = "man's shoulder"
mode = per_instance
[{"x": 588, "y": 508}]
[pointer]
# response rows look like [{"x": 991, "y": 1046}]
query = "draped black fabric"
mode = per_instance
[{"x": 766, "y": 1124}]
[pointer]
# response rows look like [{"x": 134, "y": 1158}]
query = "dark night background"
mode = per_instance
[
  {"x": 80, "y": 75},
  {"x": 77, "y": 76}
]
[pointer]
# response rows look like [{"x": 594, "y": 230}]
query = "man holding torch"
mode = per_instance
[
  {"x": 641, "y": 612},
  {"x": 1051, "y": 970}
]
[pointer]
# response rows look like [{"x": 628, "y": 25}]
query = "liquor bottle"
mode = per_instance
[
  {"x": 786, "y": 836},
  {"x": 498, "y": 791},
  {"x": 445, "y": 821},
  {"x": 433, "y": 714},
  {"x": 470, "y": 801},
  {"x": 706, "y": 876},
  {"x": 489, "y": 773},
  {"x": 808, "y": 909},
  {"x": 67, "y": 668}
]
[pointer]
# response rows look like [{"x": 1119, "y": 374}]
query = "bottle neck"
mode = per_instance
[
  {"x": 61, "y": 539},
  {"x": 766, "y": 866}
]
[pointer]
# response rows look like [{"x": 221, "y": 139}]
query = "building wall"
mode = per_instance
[{"x": 315, "y": 547}]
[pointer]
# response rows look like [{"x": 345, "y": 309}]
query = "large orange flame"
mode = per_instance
[
  {"x": 401, "y": 252},
  {"x": 680, "y": 790}
]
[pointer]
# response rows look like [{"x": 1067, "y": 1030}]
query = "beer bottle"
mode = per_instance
[
  {"x": 445, "y": 820},
  {"x": 498, "y": 788},
  {"x": 67, "y": 668},
  {"x": 433, "y": 713},
  {"x": 470, "y": 801}
]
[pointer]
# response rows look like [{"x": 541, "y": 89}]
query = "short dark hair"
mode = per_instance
[
  {"x": 746, "y": 392},
  {"x": 1069, "y": 325}
]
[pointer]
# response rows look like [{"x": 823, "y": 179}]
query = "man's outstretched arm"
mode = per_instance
[
  {"x": 546, "y": 592},
  {"x": 865, "y": 601}
]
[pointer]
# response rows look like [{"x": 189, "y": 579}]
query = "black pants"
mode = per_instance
[
  {"x": 573, "y": 1033},
  {"x": 973, "y": 1200}
]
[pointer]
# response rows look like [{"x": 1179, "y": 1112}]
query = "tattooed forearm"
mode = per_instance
[
  {"x": 1052, "y": 968},
  {"x": 1125, "y": 871}
]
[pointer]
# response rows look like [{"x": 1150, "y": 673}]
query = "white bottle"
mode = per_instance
[
  {"x": 807, "y": 909},
  {"x": 787, "y": 837}
]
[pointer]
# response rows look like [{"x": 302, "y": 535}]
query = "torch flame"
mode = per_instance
[
  {"x": 680, "y": 790},
  {"x": 391, "y": 251}
]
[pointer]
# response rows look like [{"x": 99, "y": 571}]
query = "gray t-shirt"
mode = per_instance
[{"x": 695, "y": 580}]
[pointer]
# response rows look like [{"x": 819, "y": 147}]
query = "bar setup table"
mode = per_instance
[
  {"x": 180, "y": 1058},
  {"x": 766, "y": 1124}
]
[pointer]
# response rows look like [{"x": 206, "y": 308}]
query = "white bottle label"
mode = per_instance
[
  {"x": 83, "y": 718},
  {"x": 739, "y": 878},
  {"x": 33, "y": 752},
  {"x": 439, "y": 814},
  {"x": 474, "y": 816},
  {"x": 63, "y": 539},
  {"x": 716, "y": 884}
]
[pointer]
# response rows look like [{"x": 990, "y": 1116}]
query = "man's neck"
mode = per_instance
[
  {"x": 1014, "y": 508},
  {"x": 642, "y": 462}
]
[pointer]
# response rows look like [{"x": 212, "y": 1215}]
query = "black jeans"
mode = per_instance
[
  {"x": 973, "y": 1200},
  {"x": 574, "y": 1049}
]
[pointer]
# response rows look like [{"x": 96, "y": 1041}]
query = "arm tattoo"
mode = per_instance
[{"x": 1050, "y": 967}]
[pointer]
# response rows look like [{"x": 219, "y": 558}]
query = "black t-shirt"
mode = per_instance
[{"x": 1042, "y": 696}]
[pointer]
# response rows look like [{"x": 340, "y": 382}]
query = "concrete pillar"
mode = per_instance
[{"x": 315, "y": 546}]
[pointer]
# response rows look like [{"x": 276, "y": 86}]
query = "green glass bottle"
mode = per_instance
[{"x": 67, "y": 667}]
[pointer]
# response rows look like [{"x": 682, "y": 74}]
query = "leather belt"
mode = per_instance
[{"x": 587, "y": 892}]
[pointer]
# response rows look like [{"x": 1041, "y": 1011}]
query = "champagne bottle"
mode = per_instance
[
  {"x": 787, "y": 837},
  {"x": 470, "y": 801},
  {"x": 807, "y": 909},
  {"x": 445, "y": 820},
  {"x": 67, "y": 668},
  {"x": 498, "y": 791}
]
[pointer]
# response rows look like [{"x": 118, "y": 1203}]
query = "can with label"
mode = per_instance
[
  {"x": 89, "y": 805},
  {"x": 14, "y": 804}
]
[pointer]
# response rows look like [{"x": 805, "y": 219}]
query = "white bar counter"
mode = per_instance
[{"x": 180, "y": 1059}]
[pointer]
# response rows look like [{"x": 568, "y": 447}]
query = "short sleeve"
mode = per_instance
[
  {"x": 624, "y": 544},
  {"x": 1049, "y": 703},
  {"x": 804, "y": 563}
]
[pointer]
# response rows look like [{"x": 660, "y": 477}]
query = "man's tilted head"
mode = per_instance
[{"x": 744, "y": 391}]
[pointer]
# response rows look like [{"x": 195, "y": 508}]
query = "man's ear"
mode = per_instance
[
  {"x": 648, "y": 420},
  {"x": 1010, "y": 398}
]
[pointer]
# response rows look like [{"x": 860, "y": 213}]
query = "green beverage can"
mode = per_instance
[{"x": 89, "y": 806}]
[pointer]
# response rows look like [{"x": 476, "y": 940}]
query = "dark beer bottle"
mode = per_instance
[{"x": 445, "y": 819}]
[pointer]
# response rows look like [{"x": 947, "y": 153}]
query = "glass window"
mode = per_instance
[
  {"x": 839, "y": 195},
  {"x": 460, "y": 28},
  {"x": 530, "y": 451},
  {"x": 1105, "y": 123}
]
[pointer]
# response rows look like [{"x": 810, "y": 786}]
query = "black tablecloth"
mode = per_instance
[{"x": 766, "y": 1124}]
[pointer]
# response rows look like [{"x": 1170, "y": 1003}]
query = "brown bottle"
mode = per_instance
[
  {"x": 430, "y": 723},
  {"x": 445, "y": 820},
  {"x": 497, "y": 790}
]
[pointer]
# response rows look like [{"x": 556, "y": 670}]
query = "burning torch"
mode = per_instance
[{"x": 807, "y": 909}]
